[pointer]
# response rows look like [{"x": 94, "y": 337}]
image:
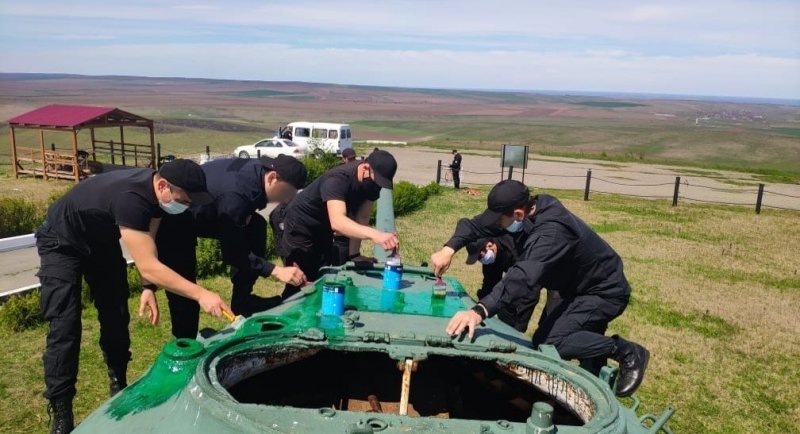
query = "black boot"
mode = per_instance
[
  {"x": 60, "y": 411},
  {"x": 117, "y": 373},
  {"x": 632, "y": 359},
  {"x": 117, "y": 379}
]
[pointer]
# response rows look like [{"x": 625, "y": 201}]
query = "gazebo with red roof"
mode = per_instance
[{"x": 52, "y": 163}]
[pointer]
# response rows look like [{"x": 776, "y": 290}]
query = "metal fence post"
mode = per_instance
[
  {"x": 588, "y": 184},
  {"x": 258, "y": 153},
  {"x": 208, "y": 152},
  {"x": 677, "y": 190},
  {"x": 439, "y": 172},
  {"x": 510, "y": 171},
  {"x": 759, "y": 198}
]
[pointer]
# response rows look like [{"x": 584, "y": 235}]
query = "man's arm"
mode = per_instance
[
  {"x": 341, "y": 223},
  {"x": 142, "y": 247},
  {"x": 467, "y": 231}
]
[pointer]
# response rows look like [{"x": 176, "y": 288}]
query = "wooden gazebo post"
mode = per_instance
[
  {"x": 14, "y": 152},
  {"x": 44, "y": 162},
  {"x": 94, "y": 153},
  {"x": 75, "y": 169},
  {"x": 152, "y": 147}
]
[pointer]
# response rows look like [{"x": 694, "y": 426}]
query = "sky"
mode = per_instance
[{"x": 712, "y": 47}]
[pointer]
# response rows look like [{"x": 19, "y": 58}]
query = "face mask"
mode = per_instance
[
  {"x": 515, "y": 226},
  {"x": 370, "y": 186},
  {"x": 487, "y": 258},
  {"x": 173, "y": 207}
]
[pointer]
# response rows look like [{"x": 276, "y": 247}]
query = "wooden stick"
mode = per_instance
[{"x": 405, "y": 392}]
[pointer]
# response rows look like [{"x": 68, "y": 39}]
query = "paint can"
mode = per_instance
[
  {"x": 392, "y": 273},
  {"x": 439, "y": 289},
  {"x": 332, "y": 298}
]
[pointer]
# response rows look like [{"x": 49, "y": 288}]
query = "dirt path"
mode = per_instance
[{"x": 418, "y": 165}]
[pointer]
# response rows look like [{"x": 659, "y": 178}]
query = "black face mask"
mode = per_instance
[{"x": 370, "y": 187}]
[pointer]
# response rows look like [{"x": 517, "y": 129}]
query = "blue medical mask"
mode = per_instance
[
  {"x": 173, "y": 207},
  {"x": 487, "y": 258},
  {"x": 515, "y": 226}
]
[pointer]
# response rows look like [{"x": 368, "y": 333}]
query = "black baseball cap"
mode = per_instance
[
  {"x": 504, "y": 197},
  {"x": 474, "y": 250},
  {"x": 384, "y": 166},
  {"x": 189, "y": 177},
  {"x": 289, "y": 169}
]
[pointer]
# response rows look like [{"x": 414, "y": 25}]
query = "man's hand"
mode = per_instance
[
  {"x": 466, "y": 319},
  {"x": 147, "y": 302},
  {"x": 292, "y": 275},
  {"x": 212, "y": 303},
  {"x": 387, "y": 240},
  {"x": 440, "y": 261}
]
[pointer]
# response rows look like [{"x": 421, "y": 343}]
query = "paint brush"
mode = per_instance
[{"x": 235, "y": 320}]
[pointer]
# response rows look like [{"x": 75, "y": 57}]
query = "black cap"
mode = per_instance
[
  {"x": 474, "y": 250},
  {"x": 384, "y": 166},
  {"x": 504, "y": 198},
  {"x": 349, "y": 153},
  {"x": 289, "y": 169},
  {"x": 189, "y": 177}
]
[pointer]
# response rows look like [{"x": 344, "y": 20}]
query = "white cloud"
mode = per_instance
[{"x": 718, "y": 47}]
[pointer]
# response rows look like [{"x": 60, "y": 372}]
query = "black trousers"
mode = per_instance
[
  {"x": 60, "y": 275},
  {"x": 176, "y": 242},
  {"x": 577, "y": 326},
  {"x": 456, "y": 178},
  {"x": 308, "y": 250},
  {"x": 340, "y": 252}
]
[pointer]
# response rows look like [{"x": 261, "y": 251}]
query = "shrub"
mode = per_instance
[
  {"x": 408, "y": 197},
  {"x": 319, "y": 163},
  {"x": 19, "y": 217},
  {"x": 21, "y": 312},
  {"x": 209, "y": 258}
]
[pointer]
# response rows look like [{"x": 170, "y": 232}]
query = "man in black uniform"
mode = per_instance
[
  {"x": 80, "y": 237},
  {"x": 559, "y": 252},
  {"x": 455, "y": 167},
  {"x": 239, "y": 188},
  {"x": 497, "y": 254},
  {"x": 323, "y": 207}
]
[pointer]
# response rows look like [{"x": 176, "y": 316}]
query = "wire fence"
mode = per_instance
[{"x": 681, "y": 189}]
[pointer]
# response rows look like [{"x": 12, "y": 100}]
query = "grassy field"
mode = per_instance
[
  {"x": 715, "y": 299},
  {"x": 191, "y": 114}
]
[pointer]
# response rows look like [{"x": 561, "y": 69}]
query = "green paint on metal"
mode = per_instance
[
  {"x": 416, "y": 298},
  {"x": 171, "y": 372}
]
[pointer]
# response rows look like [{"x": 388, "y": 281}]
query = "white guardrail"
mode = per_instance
[
  {"x": 18, "y": 242},
  {"x": 22, "y": 242}
]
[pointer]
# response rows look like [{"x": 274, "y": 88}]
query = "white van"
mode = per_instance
[{"x": 319, "y": 135}]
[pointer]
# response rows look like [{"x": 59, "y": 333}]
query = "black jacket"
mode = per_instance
[
  {"x": 557, "y": 251},
  {"x": 456, "y": 164}
]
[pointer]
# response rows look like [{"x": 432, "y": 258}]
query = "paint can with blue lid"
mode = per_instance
[
  {"x": 332, "y": 298},
  {"x": 392, "y": 273}
]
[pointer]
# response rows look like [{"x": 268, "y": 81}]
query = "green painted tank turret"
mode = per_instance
[{"x": 385, "y": 365}]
